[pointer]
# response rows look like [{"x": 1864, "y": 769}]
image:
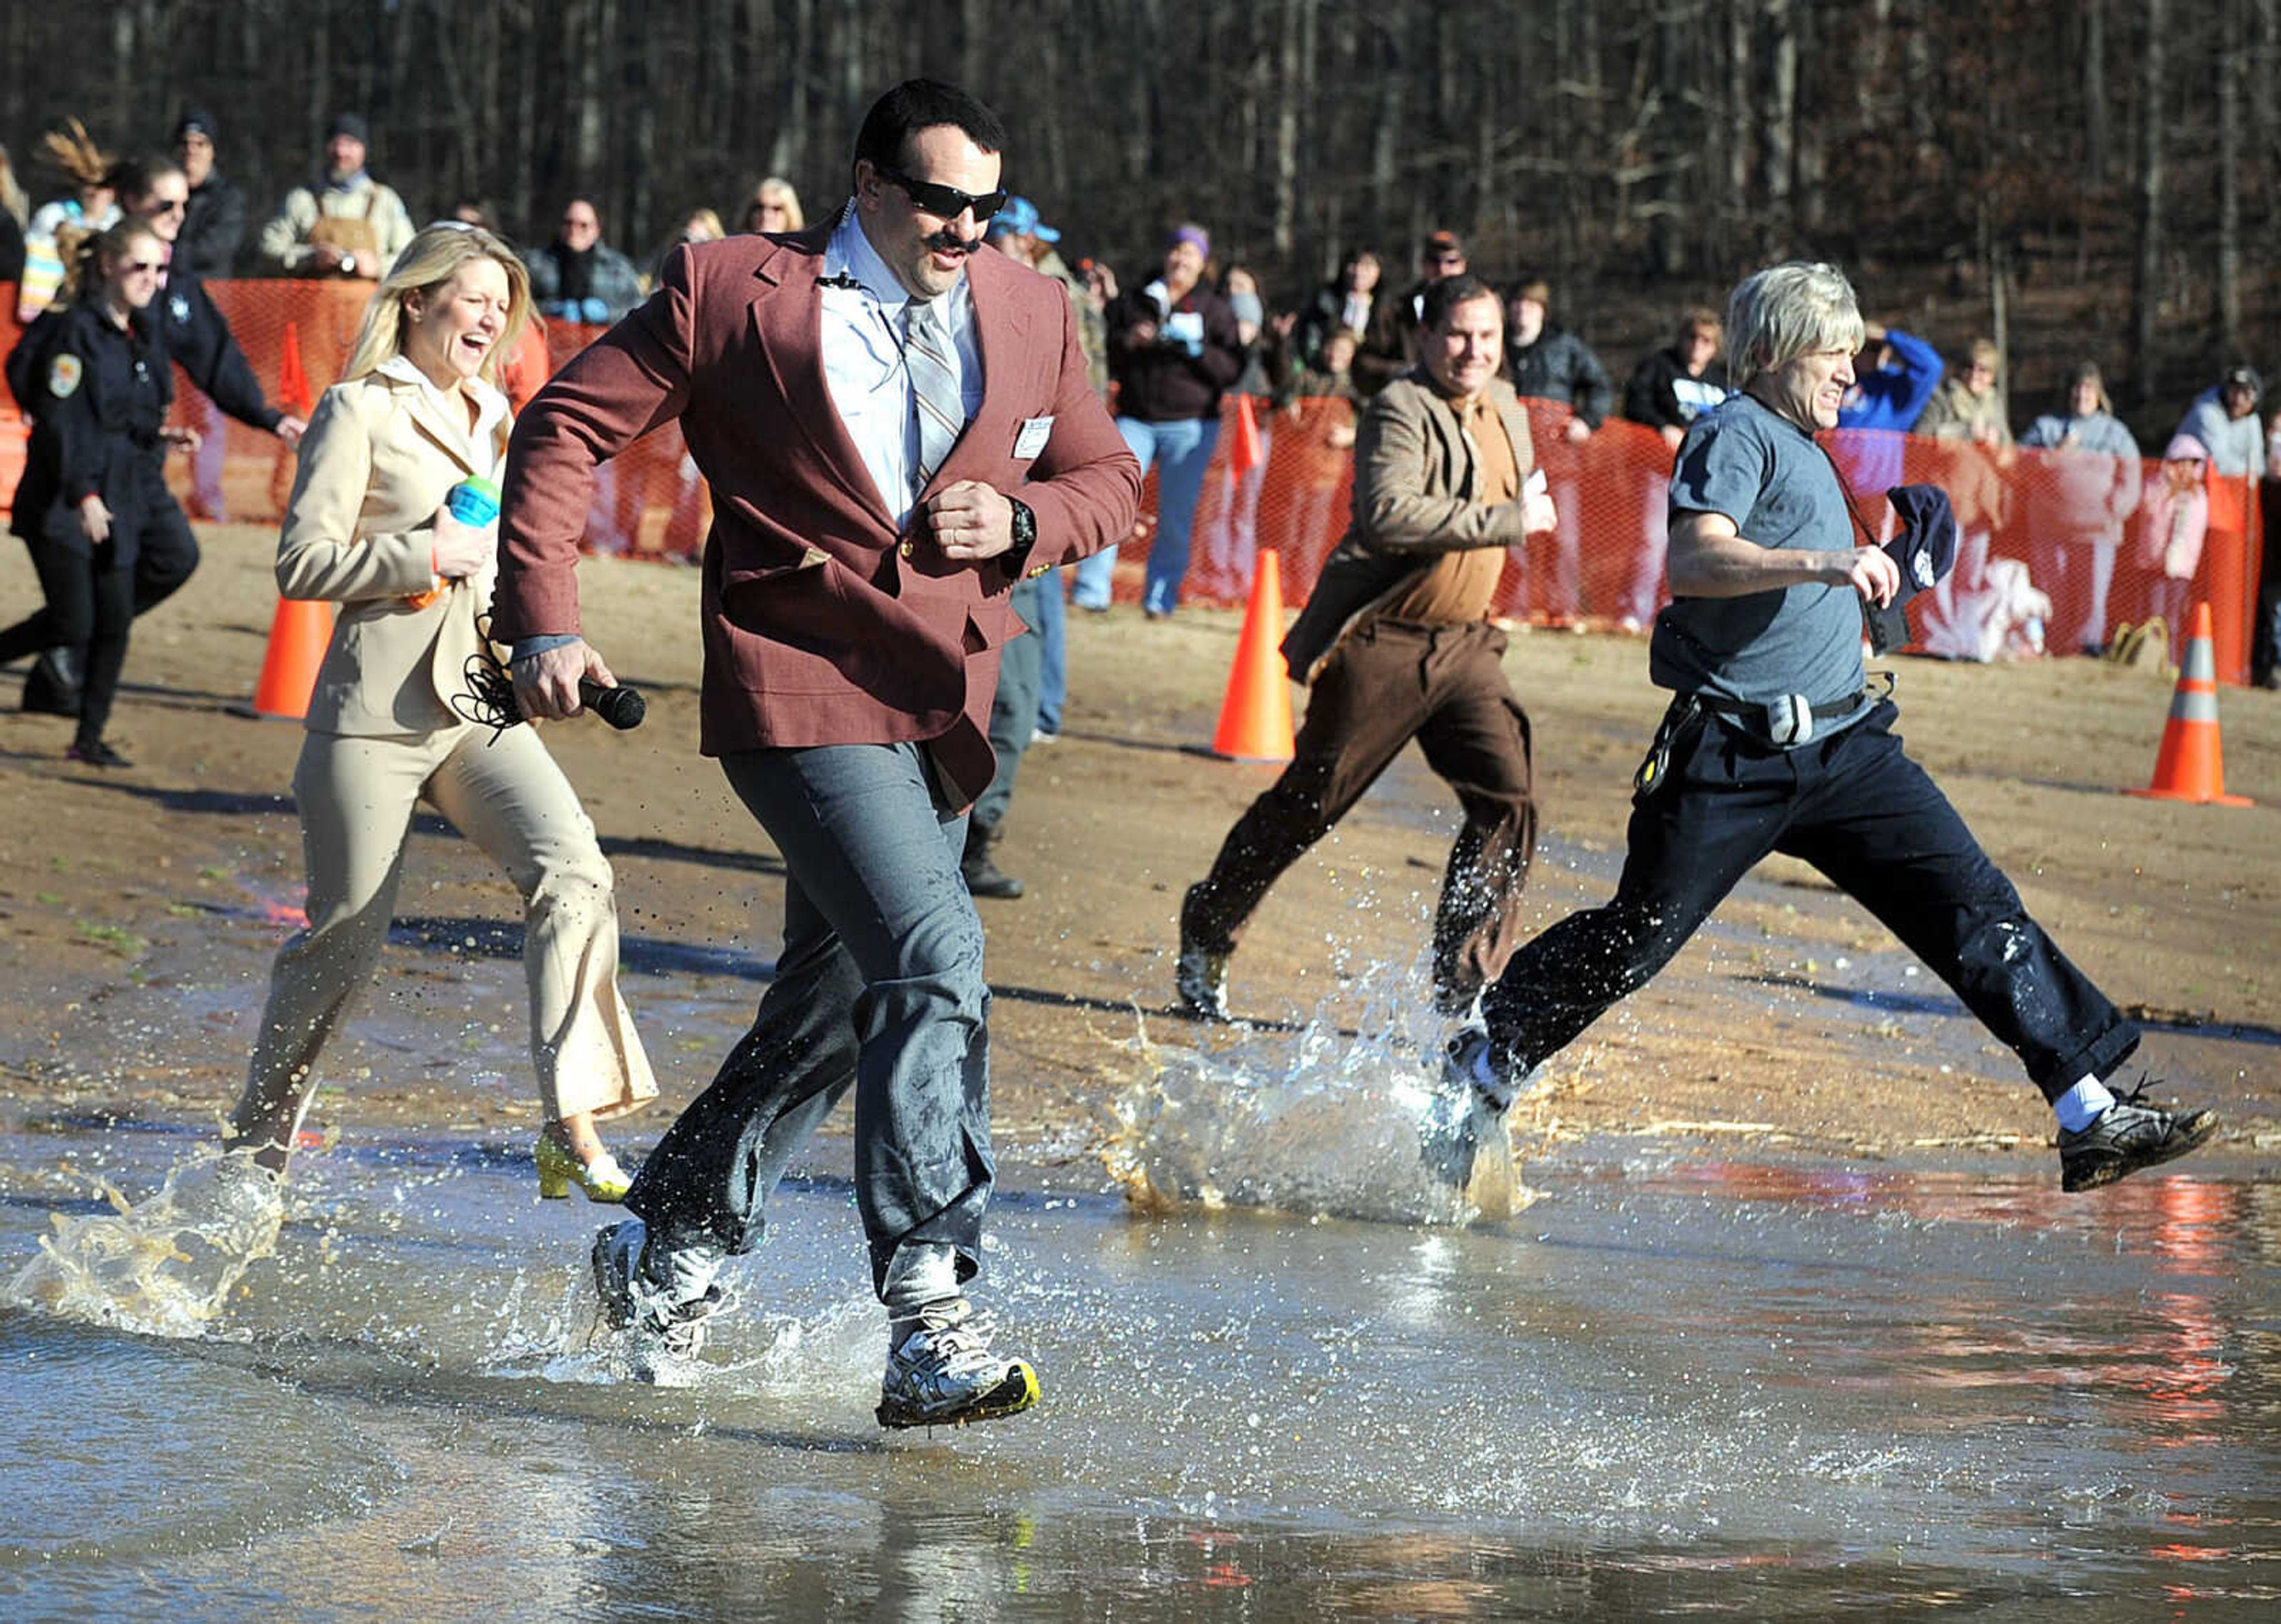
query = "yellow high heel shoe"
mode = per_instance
[{"x": 602, "y": 1178}]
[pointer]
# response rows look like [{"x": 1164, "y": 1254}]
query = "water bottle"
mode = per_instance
[{"x": 474, "y": 502}]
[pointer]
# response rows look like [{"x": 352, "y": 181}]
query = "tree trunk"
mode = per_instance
[
  {"x": 1284, "y": 216},
  {"x": 2098, "y": 121},
  {"x": 2228, "y": 178},
  {"x": 2146, "y": 294},
  {"x": 1778, "y": 160}
]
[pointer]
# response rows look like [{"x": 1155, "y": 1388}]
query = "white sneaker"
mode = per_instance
[
  {"x": 942, "y": 1372},
  {"x": 663, "y": 1324}
]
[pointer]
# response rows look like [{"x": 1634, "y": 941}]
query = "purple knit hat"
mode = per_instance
[{"x": 1192, "y": 234}]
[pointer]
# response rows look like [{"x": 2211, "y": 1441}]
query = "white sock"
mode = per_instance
[{"x": 2082, "y": 1105}]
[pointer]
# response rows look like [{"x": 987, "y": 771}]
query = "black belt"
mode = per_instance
[{"x": 1757, "y": 713}]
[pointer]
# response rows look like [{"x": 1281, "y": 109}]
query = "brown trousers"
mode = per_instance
[{"x": 1390, "y": 681}]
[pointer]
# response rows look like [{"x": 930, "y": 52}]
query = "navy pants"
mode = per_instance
[
  {"x": 1859, "y": 810},
  {"x": 878, "y": 988}
]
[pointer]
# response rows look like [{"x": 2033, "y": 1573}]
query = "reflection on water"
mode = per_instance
[{"x": 1673, "y": 1387}]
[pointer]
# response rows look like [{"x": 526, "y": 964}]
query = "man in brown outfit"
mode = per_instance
[{"x": 1396, "y": 645}]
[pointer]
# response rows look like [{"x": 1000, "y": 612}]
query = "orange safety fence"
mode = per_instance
[{"x": 2066, "y": 523}]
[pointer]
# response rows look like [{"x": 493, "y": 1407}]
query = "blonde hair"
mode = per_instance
[
  {"x": 776, "y": 188},
  {"x": 429, "y": 261},
  {"x": 83, "y": 249},
  {"x": 1787, "y": 310},
  {"x": 71, "y": 152}
]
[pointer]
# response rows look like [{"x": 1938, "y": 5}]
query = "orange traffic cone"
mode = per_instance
[
  {"x": 1255, "y": 719},
  {"x": 1244, "y": 455},
  {"x": 2191, "y": 765},
  {"x": 298, "y": 634},
  {"x": 292, "y": 377}
]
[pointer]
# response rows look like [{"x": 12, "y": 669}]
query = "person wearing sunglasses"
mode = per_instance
[
  {"x": 896, "y": 427},
  {"x": 578, "y": 277},
  {"x": 1389, "y": 345},
  {"x": 94, "y": 492},
  {"x": 197, "y": 337}
]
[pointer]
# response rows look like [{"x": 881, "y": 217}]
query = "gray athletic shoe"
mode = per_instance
[
  {"x": 2128, "y": 1136},
  {"x": 1467, "y": 1110},
  {"x": 1470, "y": 1064},
  {"x": 942, "y": 1372},
  {"x": 663, "y": 1325}
]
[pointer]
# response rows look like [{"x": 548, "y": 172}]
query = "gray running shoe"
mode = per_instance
[
  {"x": 1469, "y": 1064},
  {"x": 2128, "y": 1136},
  {"x": 663, "y": 1325},
  {"x": 1467, "y": 1112},
  {"x": 942, "y": 1372}
]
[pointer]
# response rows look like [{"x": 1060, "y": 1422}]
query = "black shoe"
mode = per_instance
[
  {"x": 982, "y": 876},
  {"x": 52, "y": 689},
  {"x": 94, "y": 752},
  {"x": 2128, "y": 1136},
  {"x": 1200, "y": 974}
]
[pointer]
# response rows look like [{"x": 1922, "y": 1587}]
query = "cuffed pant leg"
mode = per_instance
[
  {"x": 510, "y": 797},
  {"x": 356, "y": 797},
  {"x": 1879, "y": 827}
]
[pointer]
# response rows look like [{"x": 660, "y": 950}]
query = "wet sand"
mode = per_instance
[{"x": 138, "y": 908}]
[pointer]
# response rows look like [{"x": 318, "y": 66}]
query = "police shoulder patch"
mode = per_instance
[{"x": 64, "y": 374}]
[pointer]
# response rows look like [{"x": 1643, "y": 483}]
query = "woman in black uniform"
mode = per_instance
[
  {"x": 94, "y": 491},
  {"x": 197, "y": 339}
]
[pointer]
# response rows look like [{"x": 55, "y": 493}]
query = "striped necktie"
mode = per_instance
[{"x": 935, "y": 395}]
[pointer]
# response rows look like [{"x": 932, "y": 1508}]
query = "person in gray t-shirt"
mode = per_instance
[
  {"x": 1765, "y": 477},
  {"x": 1771, "y": 745}
]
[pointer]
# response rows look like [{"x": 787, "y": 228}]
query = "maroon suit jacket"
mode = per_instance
[{"x": 822, "y": 623}]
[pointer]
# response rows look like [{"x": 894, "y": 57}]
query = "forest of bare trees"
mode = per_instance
[{"x": 2109, "y": 163}]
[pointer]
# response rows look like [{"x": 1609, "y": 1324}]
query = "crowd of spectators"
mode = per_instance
[{"x": 1170, "y": 350}]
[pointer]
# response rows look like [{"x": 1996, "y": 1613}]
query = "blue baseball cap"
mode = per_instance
[{"x": 1020, "y": 217}]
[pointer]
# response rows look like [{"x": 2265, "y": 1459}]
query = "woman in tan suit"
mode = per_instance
[{"x": 415, "y": 414}]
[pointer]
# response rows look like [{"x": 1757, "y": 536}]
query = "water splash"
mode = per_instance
[
  {"x": 164, "y": 1266},
  {"x": 1344, "y": 1126}
]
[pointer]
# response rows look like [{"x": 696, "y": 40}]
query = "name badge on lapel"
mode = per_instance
[{"x": 1031, "y": 439}]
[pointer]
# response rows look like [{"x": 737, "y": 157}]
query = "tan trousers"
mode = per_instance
[{"x": 357, "y": 798}]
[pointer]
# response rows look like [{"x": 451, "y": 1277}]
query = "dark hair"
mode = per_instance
[
  {"x": 920, "y": 103},
  {"x": 1440, "y": 298},
  {"x": 139, "y": 177}
]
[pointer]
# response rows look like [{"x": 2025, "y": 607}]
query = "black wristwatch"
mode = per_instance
[{"x": 1025, "y": 536}]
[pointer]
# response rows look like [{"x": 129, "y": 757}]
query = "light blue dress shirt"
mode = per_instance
[{"x": 864, "y": 367}]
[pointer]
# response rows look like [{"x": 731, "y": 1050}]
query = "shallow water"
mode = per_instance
[{"x": 1673, "y": 1386}]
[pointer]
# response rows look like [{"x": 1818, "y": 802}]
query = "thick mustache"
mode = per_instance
[{"x": 949, "y": 242}]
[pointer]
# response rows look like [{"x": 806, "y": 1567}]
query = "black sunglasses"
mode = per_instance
[{"x": 947, "y": 201}]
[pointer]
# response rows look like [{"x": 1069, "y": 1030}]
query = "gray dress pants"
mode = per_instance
[{"x": 880, "y": 985}]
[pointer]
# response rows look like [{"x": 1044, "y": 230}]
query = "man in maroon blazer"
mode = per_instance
[{"x": 896, "y": 427}]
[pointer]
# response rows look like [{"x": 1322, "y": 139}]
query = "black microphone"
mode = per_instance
[{"x": 620, "y": 707}]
